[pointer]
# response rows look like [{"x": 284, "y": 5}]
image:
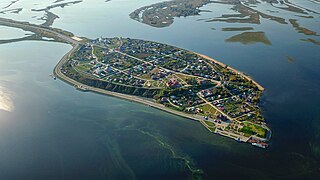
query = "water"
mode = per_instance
[
  {"x": 12, "y": 33},
  {"x": 55, "y": 131},
  {"x": 52, "y": 130}
]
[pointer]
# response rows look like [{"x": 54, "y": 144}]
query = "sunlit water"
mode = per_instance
[{"x": 6, "y": 103}]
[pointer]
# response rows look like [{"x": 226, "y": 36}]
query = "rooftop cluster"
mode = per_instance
[{"x": 226, "y": 100}]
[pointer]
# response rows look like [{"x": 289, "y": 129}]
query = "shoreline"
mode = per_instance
[
  {"x": 85, "y": 88},
  {"x": 79, "y": 85},
  {"x": 75, "y": 42},
  {"x": 231, "y": 68}
]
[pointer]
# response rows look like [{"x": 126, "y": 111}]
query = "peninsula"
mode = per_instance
[{"x": 168, "y": 78}]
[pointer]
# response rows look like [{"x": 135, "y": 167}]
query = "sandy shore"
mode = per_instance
[{"x": 234, "y": 70}]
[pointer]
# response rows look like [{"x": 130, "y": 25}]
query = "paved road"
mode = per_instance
[
  {"x": 176, "y": 72},
  {"x": 33, "y": 27},
  {"x": 51, "y": 34}
]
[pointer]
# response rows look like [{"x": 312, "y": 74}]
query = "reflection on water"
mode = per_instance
[
  {"x": 10, "y": 33},
  {"x": 6, "y": 102}
]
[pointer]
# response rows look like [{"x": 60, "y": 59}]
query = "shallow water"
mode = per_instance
[{"x": 12, "y": 33}]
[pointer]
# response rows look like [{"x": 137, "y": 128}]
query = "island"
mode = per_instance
[
  {"x": 165, "y": 77},
  {"x": 162, "y": 14}
]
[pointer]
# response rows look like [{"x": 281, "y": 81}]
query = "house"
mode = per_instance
[
  {"x": 98, "y": 71},
  {"x": 173, "y": 83}
]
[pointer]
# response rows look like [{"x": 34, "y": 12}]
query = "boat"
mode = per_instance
[
  {"x": 260, "y": 145},
  {"x": 53, "y": 76},
  {"x": 253, "y": 141}
]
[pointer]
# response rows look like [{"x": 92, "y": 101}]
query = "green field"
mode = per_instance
[
  {"x": 210, "y": 125},
  {"x": 252, "y": 129},
  {"x": 208, "y": 110},
  {"x": 84, "y": 67}
]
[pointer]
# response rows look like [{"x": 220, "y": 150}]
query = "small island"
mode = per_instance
[
  {"x": 178, "y": 81},
  {"x": 162, "y": 14},
  {"x": 172, "y": 79}
]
